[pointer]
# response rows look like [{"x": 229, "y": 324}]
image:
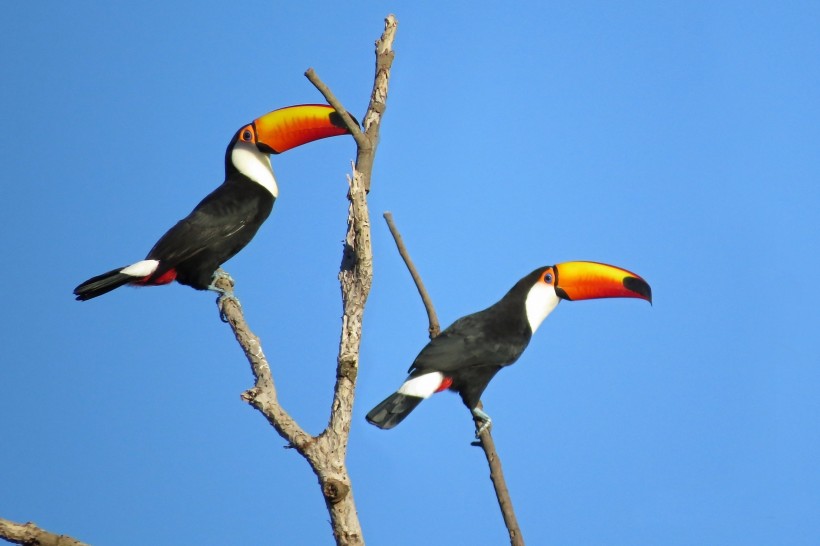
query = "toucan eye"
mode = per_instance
[
  {"x": 548, "y": 277},
  {"x": 247, "y": 135}
]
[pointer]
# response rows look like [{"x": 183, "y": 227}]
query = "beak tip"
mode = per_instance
[
  {"x": 336, "y": 119},
  {"x": 640, "y": 287}
]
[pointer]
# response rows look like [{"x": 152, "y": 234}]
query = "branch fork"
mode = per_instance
[{"x": 326, "y": 452}]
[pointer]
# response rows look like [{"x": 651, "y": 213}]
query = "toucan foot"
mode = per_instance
[
  {"x": 220, "y": 302},
  {"x": 224, "y": 295},
  {"x": 484, "y": 418},
  {"x": 220, "y": 274}
]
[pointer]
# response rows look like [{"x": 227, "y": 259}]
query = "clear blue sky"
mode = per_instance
[{"x": 677, "y": 140}]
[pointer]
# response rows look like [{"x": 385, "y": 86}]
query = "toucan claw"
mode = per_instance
[
  {"x": 224, "y": 295},
  {"x": 220, "y": 274},
  {"x": 486, "y": 421},
  {"x": 220, "y": 302}
]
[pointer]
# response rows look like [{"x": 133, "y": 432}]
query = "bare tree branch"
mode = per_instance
[
  {"x": 352, "y": 126},
  {"x": 326, "y": 452},
  {"x": 499, "y": 483},
  {"x": 432, "y": 318},
  {"x": 486, "y": 438},
  {"x": 263, "y": 394},
  {"x": 31, "y": 535}
]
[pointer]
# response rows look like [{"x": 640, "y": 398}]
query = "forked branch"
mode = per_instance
[{"x": 327, "y": 451}]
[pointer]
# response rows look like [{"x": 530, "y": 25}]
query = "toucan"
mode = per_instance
[
  {"x": 226, "y": 220},
  {"x": 468, "y": 354}
]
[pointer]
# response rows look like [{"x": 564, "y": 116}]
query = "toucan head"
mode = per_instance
[
  {"x": 579, "y": 281},
  {"x": 277, "y": 132}
]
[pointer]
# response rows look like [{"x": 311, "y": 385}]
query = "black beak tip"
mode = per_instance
[
  {"x": 640, "y": 287},
  {"x": 336, "y": 120}
]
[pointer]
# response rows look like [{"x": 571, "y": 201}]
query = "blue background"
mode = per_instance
[{"x": 677, "y": 139}]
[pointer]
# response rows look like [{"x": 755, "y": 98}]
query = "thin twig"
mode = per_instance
[
  {"x": 486, "y": 439},
  {"x": 432, "y": 318},
  {"x": 351, "y": 125},
  {"x": 499, "y": 483}
]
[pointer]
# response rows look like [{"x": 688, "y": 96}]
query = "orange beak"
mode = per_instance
[
  {"x": 592, "y": 280},
  {"x": 287, "y": 128}
]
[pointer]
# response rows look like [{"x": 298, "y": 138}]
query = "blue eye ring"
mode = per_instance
[
  {"x": 247, "y": 135},
  {"x": 548, "y": 277}
]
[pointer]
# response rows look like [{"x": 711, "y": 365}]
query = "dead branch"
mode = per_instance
[
  {"x": 499, "y": 484},
  {"x": 29, "y": 534},
  {"x": 432, "y": 318},
  {"x": 326, "y": 452},
  {"x": 486, "y": 438}
]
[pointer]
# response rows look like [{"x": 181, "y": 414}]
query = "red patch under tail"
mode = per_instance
[{"x": 445, "y": 384}]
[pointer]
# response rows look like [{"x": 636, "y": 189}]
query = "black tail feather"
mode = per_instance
[
  {"x": 392, "y": 410},
  {"x": 102, "y": 284}
]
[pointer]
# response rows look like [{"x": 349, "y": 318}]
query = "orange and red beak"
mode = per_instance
[
  {"x": 287, "y": 128},
  {"x": 591, "y": 280}
]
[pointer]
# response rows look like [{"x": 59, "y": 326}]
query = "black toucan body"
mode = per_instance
[
  {"x": 468, "y": 354},
  {"x": 229, "y": 217}
]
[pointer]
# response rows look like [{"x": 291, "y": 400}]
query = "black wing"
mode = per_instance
[
  {"x": 221, "y": 224},
  {"x": 472, "y": 341}
]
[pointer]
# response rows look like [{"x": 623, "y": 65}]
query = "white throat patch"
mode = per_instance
[
  {"x": 254, "y": 164},
  {"x": 540, "y": 302}
]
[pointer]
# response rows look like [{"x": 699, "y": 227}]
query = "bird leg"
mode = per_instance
[
  {"x": 224, "y": 294},
  {"x": 481, "y": 416},
  {"x": 220, "y": 274}
]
